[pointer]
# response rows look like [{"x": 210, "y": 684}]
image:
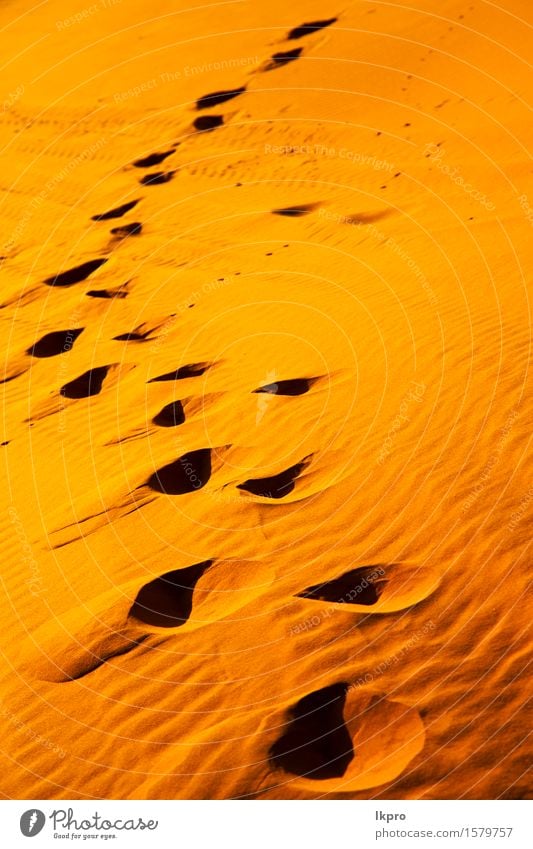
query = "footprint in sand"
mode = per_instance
[
  {"x": 385, "y": 587},
  {"x": 166, "y": 602},
  {"x": 363, "y": 585},
  {"x": 136, "y": 617},
  {"x": 153, "y": 159},
  {"x": 276, "y": 486},
  {"x": 126, "y": 230},
  {"x": 171, "y": 415},
  {"x": 188, "y": 473},
  {"x": 205, "y": 123},
  {"x": 360, "y": 218},
  {"x": 198, "y": 595},
  {"x": 316, "y": 743},
  {"x": 133, "y": 336},
  {"x": 157, "y": 178},
  {"x": 117, "y": 212},
  {"x": 75, "y": 275},
  {"x": 141, "y": 333},
  {"x": 189, "y": 370},
  {"x": 109, "y": 294},
  {"x": 295, "y": 386},
  {"x": 296, "y": 211},
  {"x": 343, "y": 738},
  {"x": 87, "y": 384},
  {"x": 52, "y": 344},
  {"x": 218, "y": 97},
  {"x": 278, "y": 60},
  {"x": 307, "y": 29}
]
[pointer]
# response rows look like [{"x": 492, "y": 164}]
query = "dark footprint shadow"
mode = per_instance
[
  {"x": 132, "y": 337},
  {"x": 307, "y": 29},
  {"x": 153, "y": 159},
  {"x": 157, "y": 178},
  {"x": 125, "y": 230},
  {"x": 278, "y": 60},
  {"x": 205, "y": 123},
  {"x": 117, "y": 212},
  {"x": 166, "y": 602},
  {"x": 52, "y": 344},
  {"x": 170, "y": 416},
  {"x": 87, "y": 384},
  {"x": 75, "y": 275},
  {"x": 366, "y": 217},
  {"x": 296, "y": 386},
  {"x": 189, "y": 370},
  {"x": 186, "y": 474},
  {"x": 130, "y": 619},
  {"x": 137, "y": 335},
  {"x": 317, "y": 743},
  {"x": 296, "y": 211},
  {"x": 218, "y": 97},
  {"x": 383, "y": 587},
  {"x": 144, "y": 332},
  {"x": 363, "y": 585},
  {"x": 108, "y": 294},
  {"x": 277, "y": 486}
]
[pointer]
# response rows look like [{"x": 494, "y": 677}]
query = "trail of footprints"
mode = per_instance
[
  {"x": 316, "y": 743},
  {"x": 203, "y": 123},
  {"x": 170, "y": 601},
  {"x": 192, "y": 471}
]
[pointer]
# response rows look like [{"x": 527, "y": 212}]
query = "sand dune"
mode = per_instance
[{"x": 265, "y": 364}]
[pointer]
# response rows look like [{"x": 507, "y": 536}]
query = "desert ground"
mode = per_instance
[{"x": 265, "y": 364}]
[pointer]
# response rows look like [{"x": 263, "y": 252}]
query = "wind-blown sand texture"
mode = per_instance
[{"x": 266, "y": 344}]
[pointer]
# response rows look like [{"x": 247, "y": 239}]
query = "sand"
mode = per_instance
[{"x": 265, "y": 361}]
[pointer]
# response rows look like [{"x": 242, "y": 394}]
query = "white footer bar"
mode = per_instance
[{"x": 268, "y": 824}]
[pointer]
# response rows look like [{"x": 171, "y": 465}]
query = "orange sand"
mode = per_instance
[{"x": 345, "y": 611}]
